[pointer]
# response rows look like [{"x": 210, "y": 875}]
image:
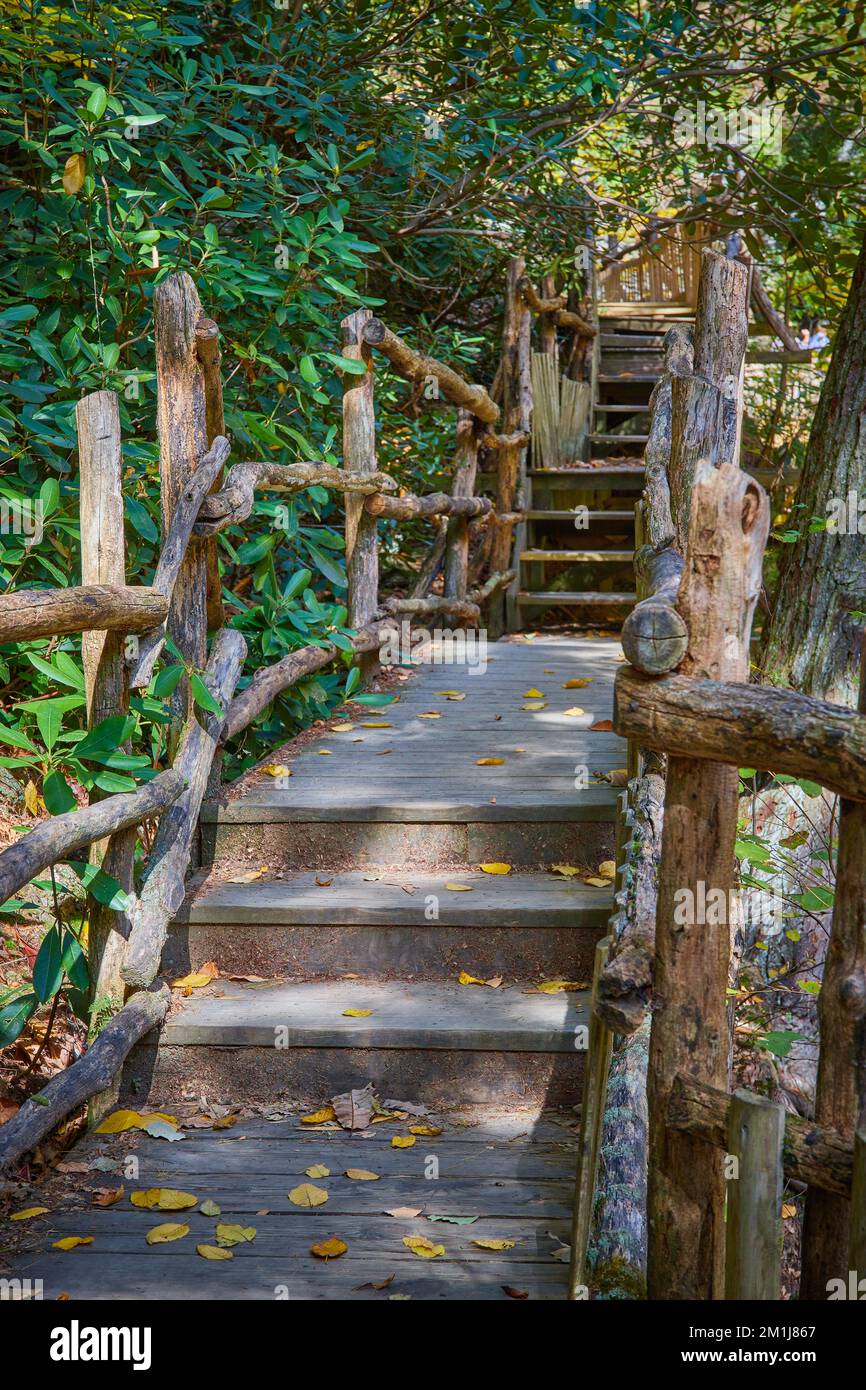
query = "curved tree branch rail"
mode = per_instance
[{"x": 198, "y": 503}]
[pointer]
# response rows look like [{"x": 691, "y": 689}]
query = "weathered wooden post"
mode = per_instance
[
  {"x": 513, "y": 371},
  {"x": 103, "y": 561},
  {"x": 840, "y": 1095},
  {"x": 207, "y": 340},
  {"x": 359, "y": 456},
  {"x": 182, "y": 423},
  {"x": 728, "y": 521},
  {"x": 756, "y": 1136},
  {"x": 463, "y": 485},
  {"x": 599, "y": 1048},
  {"x": 857, "y": 1244}
]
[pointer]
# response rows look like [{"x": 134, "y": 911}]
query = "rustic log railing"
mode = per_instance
[
  {"x": 200, "y": 499},
  {"x": 706, "y": 719}
]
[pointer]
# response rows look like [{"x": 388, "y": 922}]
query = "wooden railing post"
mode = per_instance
[
  {"x": 463, "y": 485},
  {"x": 857, "y": 1243},
  {"x": 728, "y": 524},
  {"x": 359, "y": 456},
  {"x": 840, "y": 1094},
  {"x": 103, "y": 561},
  {"x": 181, "y": 405},
  {"x": 597, "y": 1064},
  {"x": 515, "y": 345},
  {"x": 207, "y": 341},
  {"x": 756, "y": 1136}
]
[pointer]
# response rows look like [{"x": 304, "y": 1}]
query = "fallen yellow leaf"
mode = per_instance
[
  {"x": 789, "y": 1210},
  {"x": 575, "y": 711},
  {"x": 319, "y": 1117},
  {"x": 459, "y": 887},
  {"x": 170, "y": 1199},
  {"x": 170, "y": 1230},
  {"x": 424, "y": 1248},
  {"x": 250, "y": 876},
  {"x": 210, "y": 1208},
  {"x": 495, "y": 868},
  {"x": 234, "y": 1235},
  {"x": 495, "y": 1244},
  {"x": 533, "y": 694},
  {"x": 329, "y": 1249},
  {"x": 598, "y": 882},
  {"x": 318, "y": 1170},
  {"x": 120, "y": 1120},
  {"x": 324, "y": 752},
  {"x": 213, "y": 1252},
  {"x": 70, "y": 1242},
  {"x": 464, "y": 978},
  {"x": 489, "y": 762},
  {"x": 427, "y": 1131},
  {"x": 376, "y": 724},
  {"x": 278, "y": 770},
  {"x": 342, "y": 728},
  {"x": 306, "y": 1195},
  {"x": 361, "y": 1175},
  {"x": 559, "y": 986},
  {"x": 535, "y": 704},
  {"x": 357, "y": 1013},
  {"x": 577, "y": 684},
  {"x": 430, "y": 714},
  {"x": 607, "y": 868},
  {"x": 402, "y": 1141},
  {"x": 567, "y": 870},
  {"x": 28, "y": 1213},
  {"x": 197, "y": 980}
]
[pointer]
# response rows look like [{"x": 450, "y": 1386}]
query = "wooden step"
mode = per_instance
[
  {"x": 452, "y": 1045},
  {"x": 638, "y": 342},
  {"x": 636, "y": 408},
  {"x": 440, "y": 1016},
  {"x": 539, "y": 514},
  {"x": 391, "y": 924},
  {"x": 619, "y": 438},
  {"x": 550, "y": 599},
  {"x": 629, "y": 378},
  {"x": 580, "y": 556}
]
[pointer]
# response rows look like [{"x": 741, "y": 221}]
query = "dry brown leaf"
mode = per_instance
[
  {"x": 74, "y": 171},
  {"x": 107, "y": 1196},
  {"x": 602, "y": 726}
]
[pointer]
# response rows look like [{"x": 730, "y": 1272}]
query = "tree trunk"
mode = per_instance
[{"x": 812, "y": 642}]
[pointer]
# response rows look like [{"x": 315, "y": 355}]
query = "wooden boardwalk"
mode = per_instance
[
  {"x": 508, "y": 1177},
  {"x": 317, "y": 902}
]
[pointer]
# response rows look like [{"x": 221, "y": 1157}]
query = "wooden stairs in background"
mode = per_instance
[{"x": 576, "y": 564}]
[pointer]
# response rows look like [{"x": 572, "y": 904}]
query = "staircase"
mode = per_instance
[
  {"x": 577, "y": 564},
  {"x": 333, "y": 889}
]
